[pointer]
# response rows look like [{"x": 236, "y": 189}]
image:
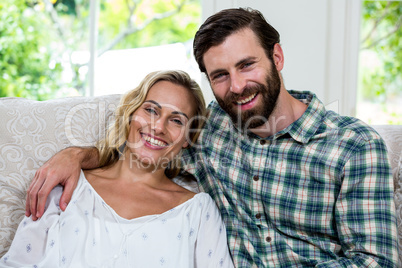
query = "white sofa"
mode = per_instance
[{"x": 31, "y": 132}]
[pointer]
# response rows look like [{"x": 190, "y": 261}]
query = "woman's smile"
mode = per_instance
[{"x": 153, "y": 142}]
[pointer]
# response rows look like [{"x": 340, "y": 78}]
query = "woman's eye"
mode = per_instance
[
  {"x": 150, "y": 110},
  {"x": 178, "y": 122}
]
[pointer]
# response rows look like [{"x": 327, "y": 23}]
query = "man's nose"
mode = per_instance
[{"x": 237, "y": 83}]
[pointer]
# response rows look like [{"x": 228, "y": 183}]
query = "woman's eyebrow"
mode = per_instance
[
  {"x": 177, "y": 112},
  {"x": 154, "y": 102},
  {"x": 160, "y": 107}
]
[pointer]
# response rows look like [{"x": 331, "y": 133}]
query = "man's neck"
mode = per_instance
[{"x": 287, "y": 110}]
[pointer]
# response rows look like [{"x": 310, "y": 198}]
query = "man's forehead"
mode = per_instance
[{"x": 236, "y": 48}]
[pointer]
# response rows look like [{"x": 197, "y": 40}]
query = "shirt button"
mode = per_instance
[
  {"x": 256, "y": 178},
  {"x": 262, "y": 142},
  {"x": 268, "y": 239},
  {"x": 279, "y": 165},
  {"x": 258, "y": 216}
]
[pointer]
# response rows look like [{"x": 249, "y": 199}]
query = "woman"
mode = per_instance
[{"x": 129, "y": 213}]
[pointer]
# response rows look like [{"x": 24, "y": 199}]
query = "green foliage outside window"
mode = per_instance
[
  {"x": 381, "y": 77},
  {"x": 38, "y": 38},
  {"x": 136, "y": 15},
  {"x": 27, "y": 66}
]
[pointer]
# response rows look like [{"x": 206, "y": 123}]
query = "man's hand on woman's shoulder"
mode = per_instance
[{"x": 63, "y": 168}]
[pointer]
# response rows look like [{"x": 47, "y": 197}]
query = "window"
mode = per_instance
[
  {"x": 57, "y": 48},
  {"x": 380, "y": 66}
]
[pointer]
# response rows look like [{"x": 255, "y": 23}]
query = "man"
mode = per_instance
[{"x": 297, "y": 186}]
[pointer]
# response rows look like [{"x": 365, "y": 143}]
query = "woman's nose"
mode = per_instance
[{"x": 159, "y": 125}]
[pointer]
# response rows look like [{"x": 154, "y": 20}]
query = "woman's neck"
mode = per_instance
[{"x": 133, "y": 170}]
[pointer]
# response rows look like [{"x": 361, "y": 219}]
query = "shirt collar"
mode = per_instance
[{"x": 303, "y": 129}]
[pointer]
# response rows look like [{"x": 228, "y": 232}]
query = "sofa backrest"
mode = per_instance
[{"x": 31, "y": 132}]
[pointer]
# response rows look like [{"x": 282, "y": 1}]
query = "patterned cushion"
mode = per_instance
[{"x": 31, "y": 132}]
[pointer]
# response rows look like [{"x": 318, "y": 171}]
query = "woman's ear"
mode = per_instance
[{"x": 185, "y": 145}]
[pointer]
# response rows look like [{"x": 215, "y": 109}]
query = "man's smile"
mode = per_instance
[{"x": 247, "y": 103}]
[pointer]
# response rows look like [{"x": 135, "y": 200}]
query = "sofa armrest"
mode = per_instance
[{"x": 392, "y": 135}]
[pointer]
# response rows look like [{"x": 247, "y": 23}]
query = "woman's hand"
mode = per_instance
[{"x": 63, "y": 168}]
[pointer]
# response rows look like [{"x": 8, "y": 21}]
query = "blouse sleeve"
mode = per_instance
[
  {"x": 211, "y": 247},
  {"x": 35, "y": 242}
]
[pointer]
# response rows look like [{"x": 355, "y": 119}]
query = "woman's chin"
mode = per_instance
[{"x": 148, "y": 161}]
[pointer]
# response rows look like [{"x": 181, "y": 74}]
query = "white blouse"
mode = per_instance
[{"x": 91, "y": 234}]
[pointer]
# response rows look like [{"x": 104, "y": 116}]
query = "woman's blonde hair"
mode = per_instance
[{"x": 113, "y": 145}]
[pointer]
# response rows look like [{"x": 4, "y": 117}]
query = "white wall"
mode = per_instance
[{"x": 320, "y": 39}]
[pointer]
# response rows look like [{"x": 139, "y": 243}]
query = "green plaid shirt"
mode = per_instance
[{"x": 318, "y": 193}]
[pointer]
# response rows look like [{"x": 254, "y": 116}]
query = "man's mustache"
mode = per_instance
[{"x": 249, "y": 90}]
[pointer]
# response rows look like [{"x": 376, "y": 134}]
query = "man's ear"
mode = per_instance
[{"x": 278, "y": 57}]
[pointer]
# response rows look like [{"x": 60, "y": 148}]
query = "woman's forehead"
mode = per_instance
[{"x": 171, "y": 96}]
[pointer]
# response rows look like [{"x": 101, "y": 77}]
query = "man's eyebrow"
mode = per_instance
[
  {"x": 239, "y": 63},
  {"x": 245, "y": 60},
  {"x": 154, "y": 102},
  {"x": 216, "y": 72},
  {"x": 177, "y": 112}
]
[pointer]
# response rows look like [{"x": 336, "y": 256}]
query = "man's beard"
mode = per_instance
[{"x": 258, "y": 115}]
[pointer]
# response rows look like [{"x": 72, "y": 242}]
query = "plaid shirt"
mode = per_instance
[{"x": 318, "y": 193}]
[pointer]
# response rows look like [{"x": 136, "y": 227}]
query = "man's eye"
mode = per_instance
[
  {"x": 219, "y": 77},
  {"x": 247, "y": 64}
]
